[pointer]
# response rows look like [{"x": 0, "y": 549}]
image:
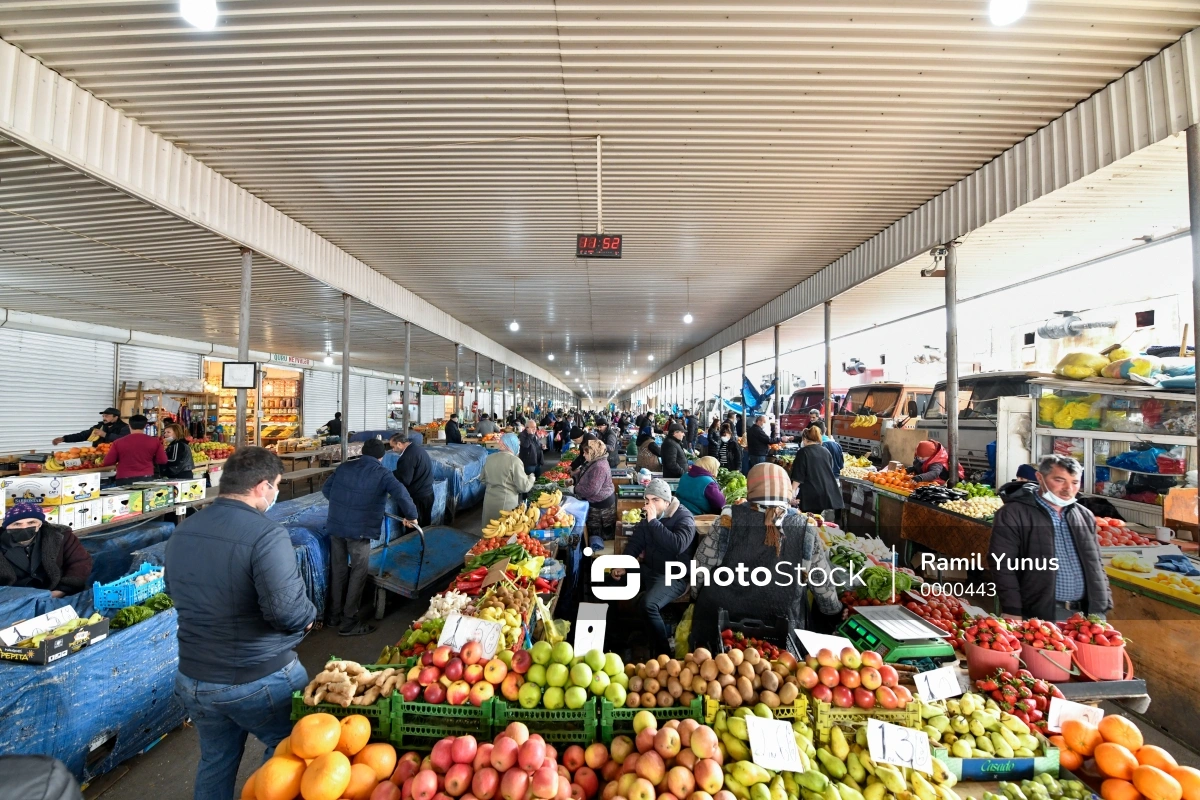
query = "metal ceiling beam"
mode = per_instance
[
  {"x": 51, "y": 115},
  {"x": 1157, "y": 99}
]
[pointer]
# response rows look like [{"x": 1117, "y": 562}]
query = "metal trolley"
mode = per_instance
[{"x": 406, "y": 566}]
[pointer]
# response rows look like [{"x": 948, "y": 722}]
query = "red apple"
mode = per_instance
[
  {"x": 442, "y": 655},
  {"x": 709, "y": 777},
  {"x": 521, "y": 661},
  {"x": 473, "y": 674},
  {"x": 429, "y": 676},
  {"x": 519, "y": 733},
  {"x": 644, "y": 741},
  {"x": 481, "y": 692},
  {"x": 494, "y": 672},
  {"x": 545, "y": 783},
  {"x": 849, "y": 677},
  {"x": 410, "y": 691},
  {"x": 386, "y": 791},
  {"x": 504, "y": 754},
  {"x": 514, "y": 784},
  {"x": 424, "y": 785},
  {"x": 825, "y": 658},
  {"x": 823, "y": 693},
  {"x": 667, "y": 744},
  {"x": 870, "y": 678},
  {"x": 829, "y": 676},
  {"x": 807, "y": 676},
  {"x": 458, "y": 693},
  {"x": 596, "y": 755},
  {"x": 680, "y": 781},
  {"x": 486, "y": 783},
  {"x": 510, "y": 687},
  {"x": 573, "y": 757},
  {"x": 650, "y": 765},
  {"x": 464, "y": 749},
  {"x": 842, "y": 697},
  {"x": 531, "y": 754},
  {"x": 458, "y": 779},
  {"x": 427, "y": 658},
  {"x": 887, "y": 673},
  {"x": 903, "y": 695},
  {"x": 454, "y": 669},
  {"x": 586, "y": 779},
  {"x": 442, "y": 755},
  {"x": 435, "y": 693},
  {"x": 471, "y": 653},
  {"x": 864, "y": 698},
  {"x": 872, "y": 659},
  {"x": 886, "y": 697},
  {"x": 483, "y": 758}
]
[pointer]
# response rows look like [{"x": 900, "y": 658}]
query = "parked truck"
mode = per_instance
[
  {"x": 868, "y": 411},
  {"x": 794, "y": 418}
]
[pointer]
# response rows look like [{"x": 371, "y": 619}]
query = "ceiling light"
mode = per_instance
[
  {"x": 200, "y": 14},
  {"x": 635, "y": 372},
  {"x": 1006, "y": 12},
  {"x": 568, "y": 372},
  {"x": 551, "y": 356},
  {"x": 514, "y": 326},
  {"x": 460, "y": 383},
  {"x": 328, "y": 358},
  {"x": 687, "y": 319},
  {"x": 652, "y": 356}
]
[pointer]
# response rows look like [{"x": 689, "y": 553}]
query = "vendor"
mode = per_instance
[
  {"x": 612, "y": 441},
  {"x": 136, "y": 456},
  {"x": 1044, "y": 555},
  {"x": 759, "y": 440},
  {"x": 179, "y": 464},
  {"x": 531, "y": 449},
  {"x": 453, "y": 432},
  {"x": 485, "y": 426},
  {"x": 932, "y": 463},
  {"x": 762, "y": 532},
  {"x": 665, "y": 533},
  {"x": 673, "y": 452},
  {"x": 649, "y": 455},
  {"x": 414, "y": 470},
  {"x": 334, "y": 426},
  {"x": 108, "y": 430},
  {"x": 593, "y": 484},
  {"x": 505, "y": 478},
  {"x": 698, "y": 489},
  {"x": 41, "y": 555}
]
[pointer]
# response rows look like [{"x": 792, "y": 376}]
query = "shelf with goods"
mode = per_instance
[
  {"x": 190, "y": 406},
  {"x": 280, "y": 407},
  {"x": 1135, "y": 444},
  {"x": 219, "y": 425}
]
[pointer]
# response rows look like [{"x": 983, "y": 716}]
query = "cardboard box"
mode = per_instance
[
  {"x": 155, "y": 495},
  {"x": 51, "y": 513},
  {"x": 81, "y": 515},
  {"x": 50, "y": 490},
  {"x": 118, "y": 505},
  {"x": 50, "y": 649},
  {"x": 186, "y": 491}
]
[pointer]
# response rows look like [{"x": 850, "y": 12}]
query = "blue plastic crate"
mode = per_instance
[{"x": 124, "y": 592}]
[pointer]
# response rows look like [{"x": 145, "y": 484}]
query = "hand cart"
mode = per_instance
[{"x": 407, "y": 567}]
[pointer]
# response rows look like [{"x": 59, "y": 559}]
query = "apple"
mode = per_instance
[
  {"x": 494, "y": 672},
  {"x": 586, "y": 779},
  {"x": 850, "y": 658},
  {"x": 823, "y": 693},
  {"x": 615, "y": 694},
  {"x": 514, "y": 785},
  {"x": 530, "y": 695},
  {"x": 708, "y": 775},
  {"x": 849, "y": 677},
  {"x": 458, "y": 779},
  {"x": 811, "y": 662},
  {"x": 680, "y": 781},
  {"x": 463, "y": 750},
  {"x": 454, "y": 669},
  {"x": 724, "y": 794},
  {"x": 704, "y": 744},
  {"x": 545, "y": 783},
  {"x": 650, "y": 765},
  {"x": 518, "y": 732},
  {"x": 576, "y": 697},
  {"x": 386, "y": 791},
  {"x": 557, "y": 675},
  {"x": 483, "y": 757},
  {"x": 686, "y": 728},
  {"x": 667, "y": 745},
  {"x": 429, "y": 676},
  {"x": 699, "y": 795},
  {"x": 595, "y": 756},
  {"x": 458, "y": 693},
  {"x": 864, "y": 698},
  {"x": 471, "y": 653},
  {"x": 885, "y": 697},
  {"x": 408, "y": 765},
  {"x": 564, "y": 788},
  {"x": 504, "y": 754},
  {"x": 541, "y": 652},
  {"x": 826, "y": 658},
  {"x": 642, "y": 789},
  {"x": 872, "y": 659},
  {"x": 807, "y": 677},
  {"x": 887, "y": 674},
  {"x": 620, "y": 748},
  {"x": 536, "y": 674},
  {"x": 486, "y": 783},
  {"x": 425, "y": 785},
  {"x": 506, "y": 656},
  {"x": 531, "y": 754},
  {"x": 581, "y": 675},
  {"x": 610, "y": 771},
  {"x": 686, "y": 758},
  {"x": 413, "y": 673},
  {"x": 442, "y": 755},
  {"x": 577, "y": 792},
  {"x": 435, "y": 693},
  {"x": 869, "y": 678},
  {"x": 629, "y": 765},
  {"x": 427, "y": 658},
  {"x": 442, "y": 655},
  {"x": 410, "y": 691},
  {"x": 510, "y": 687},
  {"x": 842, "y": 697},
  {"x": 829, "y": 676},
  {"x": 473, "y": 674},
  {"x": 613, "y": 665},
  {"x": 903, "y": 695},
  {"x": 521, "y": 661},
  {"x": 554, "y": 697},
  {"x": 562, "y": 653},
  {"x": 481, "y": 692},
  {"x": 644, "y": 741},
  {"x": 600, "y": 683}
]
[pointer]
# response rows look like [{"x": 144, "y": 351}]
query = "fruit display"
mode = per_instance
[
  {"x": 517, "y": 520},
  {"x": 974, "y": 507},
  {"x": 347, "y": 683},
  {"x": 549, "y": 499},
  {"x": 855, "y": 461},
  {"x": 631, "y": 516},
  {"x": 845, "y": 556},
  {"x": 859, "y": 473},
  {"x": 1042, "y": 635},
  {"x": 456, "y": 678},
  {"x": 553, "y": 677},
  {"x": 1091, "y": 630},
  {"x": 1042, "y": 787},
  {"x": 507, "y": 604},
  {"x": 1113, "y": 533},
  {"x": 76, "y": 458},
  {"x": 739, "y": 640},
  {"x": 977, "y": 726},
  {"x": 67, "y": 627},
  {"x": 489, "y": 551},
  {"x": 213, "y": 451},
  {"x": 1177, "y": 581},
  {"x": 947, "y": 613},
  {"x": 1129, "y": 768},
  {"x": 991, "y": 633},
  {"x": 864, "y": 421},
  {"x": 895, "y": 481},
  {"x": 554, "y": 517},
  {"x": 1025, "y": 697},
  {"x": 851, "y": 599},
  {"x": 558, "y": 474},
  {"x": 422, "y": 636},
  {"x": 853, "y": 680},
  {"x": 1131, "y": 563}
]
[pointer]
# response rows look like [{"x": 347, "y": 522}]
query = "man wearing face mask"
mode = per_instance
[
  {"x": 1044, "y": 555},
  {"x": 40, "y": 555},
  {"x": 232, "y": 573}
]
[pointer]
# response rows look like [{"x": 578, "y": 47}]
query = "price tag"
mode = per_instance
[
  {"x": 938, "y": 684},
  {"x": 1062, "y": 710},
  {"x": 459, "y": 630},
  {"x": 975, "y": 611},
  {"x": 495, "y": 573},
  {"x": 512, "y": 539},
  {"x": 814, "y": 642},
  {"x": 773, "y": 745},
  {"x": 590, "y": 627},
  {"x": 904, "y": 747}
]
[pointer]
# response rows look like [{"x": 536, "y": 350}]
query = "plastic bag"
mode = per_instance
[
  {"x": 1175, "y": 367},
  {"x": 1172, "y": 462},
  {"x": 1048, "y": 406},
  {"x": 1080, "y": 364},
  {"x": 1144, "y": 366},
  {"x": 1137, "y": 460}
]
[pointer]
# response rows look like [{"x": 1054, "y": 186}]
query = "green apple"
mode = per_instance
[
  {"x": 529, "y": 695},
  {"x": 581, "y": 675},
  {"x": 621, "y": 679},
  {"x": 576, "y": 697},
  {"x": 595, "y": 660},
  {"x": 505, "y": 655},
  {"x": 613, "y": 665},
  {"x": 562, "y": 653},
  {"x": 600, "y": 682},
  {"x": 553, "y": 698},
  {"x": 615, "y": 694},
  {"x": 557, "y": 675},
  {"x": 540, "y": 653},
  {"x": 536, "y": 675}
]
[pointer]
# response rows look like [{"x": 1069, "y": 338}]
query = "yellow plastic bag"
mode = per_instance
[
  {"x": 531, "y": 567},
  {"x": 1080, "y": 364}
]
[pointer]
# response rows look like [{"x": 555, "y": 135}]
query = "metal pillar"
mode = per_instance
[
  {"x": 704, "y": 402},
  {"x": 952, "y": 360},
  {"x": 345, "y": 376},
  {"x": 1193, "y": 163},
  {"x": 738, "y": 393},
  {"x": 720, "y": 412},
  {"x": 492, "y": 391},
  {"x": 478, "y": 404},
  {"x": 777, "y": 405},
  {"x": 457, "y": 379},
  {"x": 408, "y": 375},
  {"x": 244, "y": 343},
  {"x": 504, "y": 393},
  {"x": 828, "y": 400}
]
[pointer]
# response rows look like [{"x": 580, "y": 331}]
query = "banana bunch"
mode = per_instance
[
  {"x": 1042, "y": 787},
  {"x": 973, "y": 726},
  {"x": 548, "y": 499},
  {"x": 864, "y": 421},
  {"x": 518, "y": 520},
  {"x": 52, "y": 465}
]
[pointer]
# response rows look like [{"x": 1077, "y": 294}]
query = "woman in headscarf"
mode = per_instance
[
  {"x": 698, "y": 490},
  {"x": 813, "y": 474},
  {"x": 649, "y": 455},
  {"x": 764, "y": 532},
  {"x": 593, "y": 483},
  {"x": 505, "y": 478}
]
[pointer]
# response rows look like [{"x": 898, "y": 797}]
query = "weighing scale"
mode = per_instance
[
  {"x": 637, "y": 491},
  {"x": 899, "y": 635}
]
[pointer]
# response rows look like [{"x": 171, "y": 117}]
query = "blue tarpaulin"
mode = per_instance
[
  {"x": 461, "y": 466},
  {"x": 111, "y": 550}
]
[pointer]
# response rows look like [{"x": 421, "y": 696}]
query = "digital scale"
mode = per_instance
[
  {"x": 636, "y": 491},
  {"x": 897, "y": 634}
]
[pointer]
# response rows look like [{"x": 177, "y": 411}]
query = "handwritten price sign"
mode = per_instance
[
  {"x": 459, "y": 630},
  {"x": 904, "y": 747},
  {"x": 938, "y": 684},
  {"x": 1062, "y": 710},
  {"x": 773, "y": 745}
]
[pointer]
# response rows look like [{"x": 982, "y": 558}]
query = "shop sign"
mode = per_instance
[{"x": 280, "y": 358}]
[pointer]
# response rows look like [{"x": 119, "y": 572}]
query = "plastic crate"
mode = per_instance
[
  {"x": 570, "y": 726},
  {"x": 778, "y": 631},
  {"x": 418, "y": 725},
  {"x": 124, "y": 592},
  {"x": 1008, "y": 769},
  {"x": 379, "y": 713},
  {"x": 619, "y": 721},
  {"x": 797, "y": 710},
  {"x": 849, "y": 718}
]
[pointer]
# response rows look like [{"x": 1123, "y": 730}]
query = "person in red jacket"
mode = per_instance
[
  {"x": 137, "y": 454},
  {"x": 932, "y": 463}
]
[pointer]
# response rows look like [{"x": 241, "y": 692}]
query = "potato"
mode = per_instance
[
  {"x": 651, "y": 685},
  {"x": 736, "y": 656},
  {"x": 635, "y": 684},
  {"x": 713, "y": 690},
  {"x": 724, "y": 664},
  {"x": 649, "y": 700},
  {"x": 744, "y": 670},
  {"x": 751, "y": 655},
  {"x": 708, "y": 670},
  {"x": 731, "y": 697},
  {"x": 664, "y": 699},
  {"x": 701, "y": 654},
  {"x": 633, "y": 700},
  {"x": 662, "y": 661},
  {"x": 726, "y": 680},
  {"x": 673, "y": 668},
  {"x": 674, "y": 687},
  {"x": 769, "y": 699},
  {"x": 745, "y": 689},
  {"x": 770, "y": 681},
  {"x": 788, "y": 693},
  {"x": 699, "y": 685},
  {"x": 652, "y": 668},
  {"x": 685, "y": 676}
]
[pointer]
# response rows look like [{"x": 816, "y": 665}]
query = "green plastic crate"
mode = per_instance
[
  {"x": 380, "y": 713},
  {"x": 569, "y": 726},
  {"x": 419, "y": 725},
  {"x": 619, "y": 721}
]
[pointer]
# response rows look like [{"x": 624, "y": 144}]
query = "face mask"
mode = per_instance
[
  {"x": 272, "y": 503},
  {"x": 1051, "y": 497},
  {"x": 724, "y": 438}
]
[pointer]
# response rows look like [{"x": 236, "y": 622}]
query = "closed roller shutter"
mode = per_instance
[
  {"x": 376, "y": 404},
  {"x": 321, "y": 390},
  {"x": 356, "y": 406},
  {"x": 37, "y": 409},
  {"x": 147, "y": 363}
]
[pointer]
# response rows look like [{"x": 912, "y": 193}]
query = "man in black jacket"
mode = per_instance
[
  {"x": 531, "y": 449},
  {"x": 108, "y": 430},
  {"x": 674, "y": 458},
  {"x": 690, "y": 429},
  {"x": 612, "y": 440},
  {"x": 242, "y": 610},
  {"x": 414, "y": 470},
  {"x": 1044, "y": 555},
  {"x": 758, "y": 442},
  {"x": 453, "y": 433}
]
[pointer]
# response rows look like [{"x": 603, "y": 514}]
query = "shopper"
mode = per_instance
[
  {"x": 713, "y": 437},
  {"x": 762, "y": 532},
  {"x": 932, "y": 463},
  {"x": 1044, "y": 556},
  {"x": 576, "y": 436},
  {"x": 673, "y": 452},
  {"x": 691, "y": 428},
  {"x": 699, "y": 490},
  {"x": 835, "y": 451},
  {"x": 334, "y": 426},
  {"x": 814, "y": 418},
  {"x": 106, "y": 431},
  {"x": 453, "y": 432},
  {"x": 562, "y": 427},
  {"x": 649, "y": 455},
  {"x": 41, "y": 555},
  {"x": 665, "y": 534},
  {"x": 729, "y": 452},
  {"x": 531, "y": 449},
  {"x": 136, "y": 456},
  {"x": 759, "y": 441},
  {"x": 611, "y": 438},
  {"x": 486, "y": 426},
  {"x": 414, "y": 470},
  {"x": 594, "y": 485},
  {"x": 179, "y": 464},
  {"x": 242, "y": 610},
  {"x": 814, "y": 477},
  {"x": 357, "y": 492},
  {"x": 505, "y": 478}
]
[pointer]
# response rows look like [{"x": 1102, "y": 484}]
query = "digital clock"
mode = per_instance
[{"x": 597, "y": 245}]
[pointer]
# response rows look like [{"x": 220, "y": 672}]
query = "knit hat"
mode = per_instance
[
  {"x": 926, "y": 448},
  {"x": 1027, "y": 472},
  {"x": 676, "y": 428},
  {"x": 768, "y": 483},
  {"x": 22, "y": 511},
  {"x": 659, "y": 488}
]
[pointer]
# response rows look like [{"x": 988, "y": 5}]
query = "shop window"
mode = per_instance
[
  {"x": 1145, "y": 319},
  {"x": 1029, "y": 339}
]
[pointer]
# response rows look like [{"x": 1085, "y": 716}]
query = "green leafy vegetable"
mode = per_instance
[
  {"x": 877, "y": 583},
  {"x": 130, "y": 615},
  {"x": 159, "y": 602},
  {"x": 733, "y": 484}
]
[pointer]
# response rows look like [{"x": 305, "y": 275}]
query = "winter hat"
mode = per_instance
[
  {"x": 676, "y": 428},
  {"x": 22, "y": 511},
  {"x": 659, "y": 488}
]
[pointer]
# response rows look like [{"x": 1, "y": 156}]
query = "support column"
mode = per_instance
[
  {"x": 828, "y": 400},
  {"x": 1193, "y": 167},
  {"x": 720, "y": 411},
  {"x": 745, "y": 411},
  {"x": 704, "y": 401},
  {"x": 478, "y": 404},
  {"x": 504, "y": 394},
  {"x": 952, "y": 360},
  {"x": 408, "y": 376},
  {"x": 244, "y": 344},
  {"x": 345, "y": 376},
  {"x": 458, "y": 389},
  {"x": 777, "y": 406},
  {"x": 492, "y": 391}
]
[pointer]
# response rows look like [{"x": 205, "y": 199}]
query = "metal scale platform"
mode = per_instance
[{"x": 897, "y": 634}]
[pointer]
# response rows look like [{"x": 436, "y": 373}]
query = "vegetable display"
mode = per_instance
[
  {"x": 132, "y": 615},
  {"x": 347, "y": 683},
  {"x": 844, "y": 556},
  {"x": 878, "y": 583},
  {"x": 733, "y": 484}
]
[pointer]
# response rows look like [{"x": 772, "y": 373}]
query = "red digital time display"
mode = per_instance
[{"x": 597, "y": 245}]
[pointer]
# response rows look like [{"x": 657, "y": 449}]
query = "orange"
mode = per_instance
[
  {"x": 1069, "y": 760},
  {"x": 1119, "y": 730},
  {"x": 1153, "y": 756},
  {"x": 328, "y": 776},
  {"x": 248, "y": 788},
  {"x": 1081, "y": 737},
  {"x": 1189, "y": 780},
  {"x": 284, "y": 749},
  {"x": 362, "y": 782},
  {"x": 356, "y": 732},
  {"x": 315, "y": 735},
  {"x": 1115, "y": 761},
  {"x": 1058, "y": 741},
  {"x": 1155, "y": 784},
  {"x": 380, "y": 757},
  {"x": 278, "y": 779},
  {"x": 1116, "y": 789}
]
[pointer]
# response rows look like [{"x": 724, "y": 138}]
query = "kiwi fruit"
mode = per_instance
[
  {"x": 686, "y": 698},
  {"x": 699, "y": 685},
  {"x": 713, "y": 690},
  {"x": 708, "y": 670},
  {"x": 731, "y": 697},
  {"x": 635, "y": 684},
  {"x": 701, "y": 654},
  {"x": 673, "y": 668},
  {"x": 745, "y": 670},
  {"x": 726, "y": 680},
  {"x": 649, "y": 700},
  {"x": 633, "y": 700},
  {"x": 745, "y": 689},
  {"x": 662, "y": 660},
  {"x": 651, "y": 685},
  {"x": 769, "y": 699},
  {"x": 652, "y": 668},
  {"x": 751, "y": 656},
  {"x": 674, "y": 687},
  {"x": 631, "y": 669},
  {"x": 788, "y": 693},
  {"x": 724, "y": 664},
  {"x": 735, "y": 656},
  {"x": 664, "y": 699},
  {"x": 685, "y": 676},
  {"x": 770, "y": 681}
]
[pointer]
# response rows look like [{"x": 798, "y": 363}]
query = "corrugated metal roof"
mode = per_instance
[{"x": 450, "y": 145}]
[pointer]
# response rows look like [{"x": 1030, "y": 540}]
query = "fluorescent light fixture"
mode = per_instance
[
  {"x": 328, "y": 358},
  {"x": 687, "y": 318},
  {"x": 551, "y": 356},
  {"x": 635, "y": 372},
  {"x": 460, "y": 383},
  {"x": 200, "y": 14},
  {"x": 1006, "y": 12},
  {"x": 514, "y": 326}
]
